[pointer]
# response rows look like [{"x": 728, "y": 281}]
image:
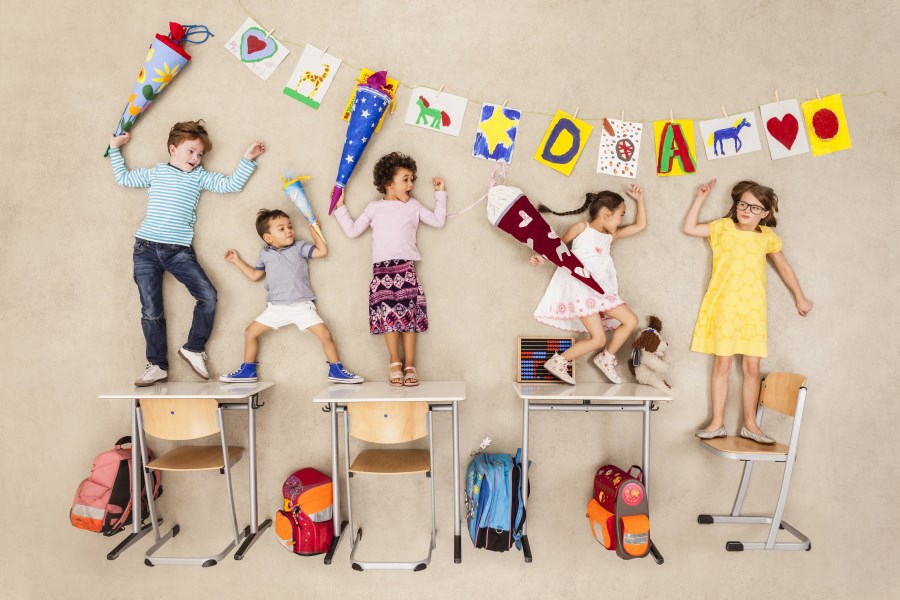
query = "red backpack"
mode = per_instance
[
  {"x": 304, "y": 526},
  {"x": 103, "y": 500},
  {"x": 619, "y": 509}
]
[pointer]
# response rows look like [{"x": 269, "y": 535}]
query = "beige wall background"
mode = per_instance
[{"x": 70, "y": 312}]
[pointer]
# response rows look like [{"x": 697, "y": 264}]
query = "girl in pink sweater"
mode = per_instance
[{"x": 396, "y": 299}]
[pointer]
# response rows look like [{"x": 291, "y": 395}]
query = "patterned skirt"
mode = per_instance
[{"x": 396, "y": 300}]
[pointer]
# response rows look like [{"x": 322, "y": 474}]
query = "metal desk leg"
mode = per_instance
[
  {"x": 457, "y": 540},
  {"x": 336, "y": 522},
  {"x": 138, "y": 528},
  {"x": 256, "y": 528},
  {"x": 645, "y": 458},
  {"x": 526, "y": 547}
]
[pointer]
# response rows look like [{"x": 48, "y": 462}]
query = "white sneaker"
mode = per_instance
[
  {"x": 152, "y": 374},
  {"x": 559, "y": 368},
  {"x": 197, "y": 360},
  {"x": 607, "y": 362}
]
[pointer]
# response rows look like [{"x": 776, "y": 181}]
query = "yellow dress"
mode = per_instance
[{"x": 732, "y": 318}]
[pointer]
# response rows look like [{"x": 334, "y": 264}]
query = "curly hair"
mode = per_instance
[
  {"x": 190, "y": 130},
  {"x": 387, "y": 166},
  {"x": 766, "y": 196}
]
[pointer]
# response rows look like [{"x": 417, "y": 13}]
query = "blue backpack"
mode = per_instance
[{"x": 494, "y": 510}]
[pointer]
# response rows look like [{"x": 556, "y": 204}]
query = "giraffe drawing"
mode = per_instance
[
  {"x": 316, "y": 80},
  {"x": 437, "y": 117},
  {"x": 719, "y": 136}
]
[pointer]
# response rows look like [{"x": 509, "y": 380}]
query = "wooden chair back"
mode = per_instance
[
  {"x": 780, "y": 391},
  {"x": 388, "y": 422},
  {"x": 180, "y": 418}
]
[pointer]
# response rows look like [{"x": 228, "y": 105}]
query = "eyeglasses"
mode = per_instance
[{"x": 754, "y": 208}]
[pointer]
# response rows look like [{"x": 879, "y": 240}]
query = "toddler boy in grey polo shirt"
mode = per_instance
[{"x": 290, "y": 300}]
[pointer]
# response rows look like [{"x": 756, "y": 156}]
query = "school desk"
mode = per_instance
[
  {"x": 589, "y": 397},
  {"x": 442, "y": 396},
  {"x": 232, "y": 396}
]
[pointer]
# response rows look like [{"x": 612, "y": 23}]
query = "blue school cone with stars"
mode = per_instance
[
  {"x": 371, "y": 100},
  {"x": 166, "y": 58}
]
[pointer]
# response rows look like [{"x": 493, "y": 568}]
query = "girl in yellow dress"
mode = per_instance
[{"x": 732, "y": 318}]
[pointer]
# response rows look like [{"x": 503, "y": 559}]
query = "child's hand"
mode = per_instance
[
  {"x": 438, "y": 184},
  {"x": 117, "y": 141},
  {"x": 537, "y": 260},
  {"x": 704, "y": 190},
  {"x": 804, "y": 305},
  {"x": 255, "y": 150},
  {"x": 232, "y": 256},
  {"x": 340, "y": 201},
  {"x": 636, "y": 192}
]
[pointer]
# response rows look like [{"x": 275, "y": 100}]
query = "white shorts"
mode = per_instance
[{"x": 301, "y": 314}]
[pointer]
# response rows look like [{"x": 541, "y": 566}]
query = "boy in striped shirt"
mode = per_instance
[{"x": 163, "y": 240}]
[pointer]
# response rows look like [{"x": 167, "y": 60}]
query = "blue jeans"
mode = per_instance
[{"x": 151, "y": 259}]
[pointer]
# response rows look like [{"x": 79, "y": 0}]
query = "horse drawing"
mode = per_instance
[
  {"x": 431, "y": 117},
  {"x": 719, "y": 137}
]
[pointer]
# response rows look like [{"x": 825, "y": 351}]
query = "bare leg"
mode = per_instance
[
  {"x": 409, "y": 348},
  {"x": 595, "y": 341},
  {"x": 392, "y": 341},
  {"x": 750, "y": 391},
  {"x": 251, "y": 340},
  {"x": 620, "y": 334},
  {"x": 718, "y": 391},
  {"x": 320, "y": 330}
]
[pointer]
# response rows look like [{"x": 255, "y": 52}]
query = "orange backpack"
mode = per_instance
[
  {"x": 620, "y": 510},
  {"x": 304, "y": 526}
]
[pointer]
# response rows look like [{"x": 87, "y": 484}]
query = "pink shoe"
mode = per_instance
[
  {"x": 559, "y": 368},
  {"x": 607, "y": 362}
]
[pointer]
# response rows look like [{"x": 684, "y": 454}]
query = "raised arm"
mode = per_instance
[
  {"x": 438, "y": 217},
  {"x": 224, "y": 184},
  {"x": 321, "y": 250},
  {"x": 692, "y": 226},
  {"x": 636, "y": 192},
  {"x": 351, "y": 228},
  {"x": 804, "y": 305},
  {"x": 252, "y": 274},
  {"x": 138, "y": 178}
]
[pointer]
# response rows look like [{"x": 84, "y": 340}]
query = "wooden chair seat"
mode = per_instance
[
  {"x": 391, "y": 462},
  {"x": 737, "y": 445},
  {"x": 195, "y": 458}
]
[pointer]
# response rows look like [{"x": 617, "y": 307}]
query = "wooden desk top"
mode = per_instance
[
  {"x": 610, "y": 392},
  {"x": 193, "y": 389},
  {"x": 381, "y": 391}
]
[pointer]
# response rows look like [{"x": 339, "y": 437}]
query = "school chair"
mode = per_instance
[
  {"x": 182, "y": 419},
  {"x": 388, "y": 423},
  {"x": 784, "y": 393}
]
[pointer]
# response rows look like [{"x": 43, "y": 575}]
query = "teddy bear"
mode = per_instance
[{"x": 647, "y": 364}]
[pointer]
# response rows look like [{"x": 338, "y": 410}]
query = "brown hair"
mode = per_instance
[
  {"x": 387, "y": 166},
  {"x": 592, "y": 203},
  {"x": 766, "y": 196},
  {"x": 264, "y": 219},
  {"x": 190, "y": 130},
  {"x": 648, "y": 339}
]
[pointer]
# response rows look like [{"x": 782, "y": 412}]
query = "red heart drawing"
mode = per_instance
[
  {"x": 254, "y": 44},
  {"x": 784, "y": 130}
]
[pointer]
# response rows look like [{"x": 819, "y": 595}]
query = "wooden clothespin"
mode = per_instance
[
  {"x": 441, "y": 89},
  {"x": 621, "y": 115},
  {"x": 502, "y": 106},
  {"x": 671, "y": 118},
  {"x": 577, "y": 108},
  {"x": 269, "y": 32},
  {"x": 323, "y": 52},
  {"x": 817, "y": 95},
  {"x": 776, "y": 96},
  {"x": 724, "y": 112}
]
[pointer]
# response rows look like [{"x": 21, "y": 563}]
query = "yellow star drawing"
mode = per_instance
[{"x": 495, "y": 129}]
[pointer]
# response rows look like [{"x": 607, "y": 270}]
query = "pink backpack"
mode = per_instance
[
  {"x": 304, "y": 526},
  {"x": 103, "y": 500}
]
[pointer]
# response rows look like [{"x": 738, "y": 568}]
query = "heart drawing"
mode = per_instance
[
  {"x": 255, "y": 46},
  {"x": 784, "y": 130}
]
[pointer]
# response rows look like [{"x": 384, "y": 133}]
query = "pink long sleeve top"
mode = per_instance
[{"x": 394, "y": 225}]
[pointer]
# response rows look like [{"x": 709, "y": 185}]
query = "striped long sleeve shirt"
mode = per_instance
[{"x": 173, "y": 195}]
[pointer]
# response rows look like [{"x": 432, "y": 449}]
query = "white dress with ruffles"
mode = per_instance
[{"x": 567, "y": 299}]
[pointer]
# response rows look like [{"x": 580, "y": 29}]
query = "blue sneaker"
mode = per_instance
[
  {"x": 245, "y": 374},
  {"x": 338, "y": 374}
]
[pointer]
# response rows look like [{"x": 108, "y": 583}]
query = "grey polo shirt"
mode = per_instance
[{"x": 287, "y": 273}]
